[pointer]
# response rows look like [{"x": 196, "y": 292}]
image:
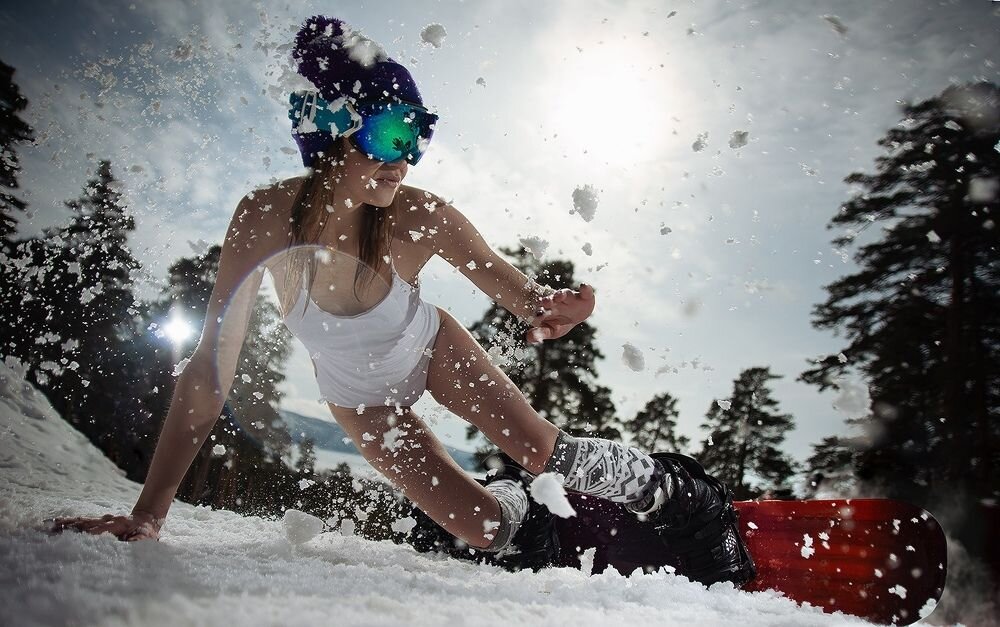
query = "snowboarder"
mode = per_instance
[{"x": 375, "y": 354}]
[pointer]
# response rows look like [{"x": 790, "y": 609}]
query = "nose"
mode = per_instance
[{"x": 398, "y": 166}]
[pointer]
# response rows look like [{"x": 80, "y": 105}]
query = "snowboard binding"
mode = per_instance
[
  {"x": 535, "y": 544},
  {"x": 699, "y": 524}
]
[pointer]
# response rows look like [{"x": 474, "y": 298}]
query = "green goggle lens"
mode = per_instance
[{"x": 393, "y": 132}]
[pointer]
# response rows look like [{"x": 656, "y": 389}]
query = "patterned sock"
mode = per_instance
[
  {"x": 605, "y": 469},
  {"x": 513, "y": 507}
]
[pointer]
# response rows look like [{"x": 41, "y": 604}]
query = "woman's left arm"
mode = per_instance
[{"x": 551, "y": 313}]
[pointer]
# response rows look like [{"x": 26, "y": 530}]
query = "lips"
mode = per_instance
[{"x": 388, "y": 179}]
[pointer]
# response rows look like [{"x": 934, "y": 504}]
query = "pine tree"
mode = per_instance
[
  {"x": 744, "y": 436},
  {"x": 557, "y": 377},
  {"x": 13, "y": 130},
  {"x": 74, "y": 306},
  {"x": 830, "y": 469},
  {"x": 306, "y": 462},
  {"x": 654, "y": 428},
  {"x": 922, "y": 313}
]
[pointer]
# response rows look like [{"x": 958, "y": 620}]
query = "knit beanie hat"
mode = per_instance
[{"x": 342, "y": 63}]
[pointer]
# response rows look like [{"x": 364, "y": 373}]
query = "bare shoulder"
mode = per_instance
[
  {"x": 276, "y": 198},
  {"x": 419, "y": 207},
  {"x": 260, "y": 220}
]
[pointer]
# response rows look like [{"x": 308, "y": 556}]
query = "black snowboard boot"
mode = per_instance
[
  {"x": 699, "y": 524},
  {"x": 535, "y": 544}
]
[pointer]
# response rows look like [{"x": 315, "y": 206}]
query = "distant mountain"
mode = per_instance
[{"x": 328, "y": 435}]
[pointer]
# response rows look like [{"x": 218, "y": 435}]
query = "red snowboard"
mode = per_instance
[{"x": 878, "y": 559}]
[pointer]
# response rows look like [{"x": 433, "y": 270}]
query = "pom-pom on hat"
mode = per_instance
[{"x": 341, "y": 62}]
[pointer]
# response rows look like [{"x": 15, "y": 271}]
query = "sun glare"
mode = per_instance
[
  {"x": 177, "y": 329},
  {"x": 611, "y": 101}
]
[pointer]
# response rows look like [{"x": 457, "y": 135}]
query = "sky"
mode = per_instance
[{"x": 708, "y": 248}]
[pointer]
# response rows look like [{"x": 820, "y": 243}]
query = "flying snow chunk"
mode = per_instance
[
  {"x": 700, "y": 143},
  {"x": 632, "y": 357},
  {"x": 218, "y": 450},
  {"x": 391, "y": 439},
  {"x": 928, "y": 607},
  {"x": 481, "y": 81},
  {"x": 301, "y": 527},
  {"x": 807, "y": 546},
  {"x": 535, "y": 245},
  {"x": 547, "y": 489},
  {"x": 199, "y": 247},
  {"x": 588, "y": 249},
  {"x": 738, "y": 139},
  {"x": 403, "y": 525},
  {"x": 179, "y": 368},
  {"x": 835, "y": 23},
  {"x": 585, "y": 202},
  {"x": 983, "y": 189},
  {"x": 665, "y": 230},
  {"x": 898, "y": 590},
  {"x": 587, "y": 561},
  {"x": 854, "y": 400},
  {"x": 433, "y": 34},
  {"x": 362, "y": 50},
  {"x": 724, "y": 405}
]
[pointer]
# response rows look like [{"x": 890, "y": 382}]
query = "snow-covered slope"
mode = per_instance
[{"x": 219, "y": 568}]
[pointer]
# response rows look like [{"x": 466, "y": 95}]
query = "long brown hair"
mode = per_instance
[{"x": 308, "y": 218}]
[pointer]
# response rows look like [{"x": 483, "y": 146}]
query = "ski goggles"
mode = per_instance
[{"x": 383, "y": 131}]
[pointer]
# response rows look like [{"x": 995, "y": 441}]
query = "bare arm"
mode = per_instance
[
  {"x": 459, "y": 243},
  {"x": 204, "y": 384},
  {"x": 551, "y": 313}
]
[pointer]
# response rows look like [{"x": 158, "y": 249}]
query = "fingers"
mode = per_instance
[
  {"x": 122, "y": 527},
  {"x": 79, "y": 523}
]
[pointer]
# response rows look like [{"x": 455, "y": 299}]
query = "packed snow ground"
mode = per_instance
[{"x": 219, "y": 568}]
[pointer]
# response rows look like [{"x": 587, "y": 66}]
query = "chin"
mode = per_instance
[{"x": 382, "y": 200}]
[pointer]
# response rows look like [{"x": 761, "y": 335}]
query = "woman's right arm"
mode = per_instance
[{"x": 204, "y": 384}]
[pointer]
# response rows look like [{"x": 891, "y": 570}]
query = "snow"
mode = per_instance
[
  {"x": 534, "y": 245},
  {"x": 433, "y": 34},
  {"x": 301, "y": 527},
  {"x": 632, "y": 357},
  {"x": 738, "y": 139},
  {"x": 853, "y": 398},
  {"x": 585, "y": 202},
  {"x": 807, "y": 546},
  {"x": 547, "y": 489},
  {"x": 214, "y": 567}
]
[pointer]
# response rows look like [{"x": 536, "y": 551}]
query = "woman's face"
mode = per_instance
[{"x": 369, "y": 181}]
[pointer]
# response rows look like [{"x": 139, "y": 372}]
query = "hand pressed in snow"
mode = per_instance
[
  {"x": 137, "y": 526},
  {"x": 559, "y": 312}
]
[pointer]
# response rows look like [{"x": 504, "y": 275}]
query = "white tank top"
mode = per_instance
[{"x": 364, "y": 357}]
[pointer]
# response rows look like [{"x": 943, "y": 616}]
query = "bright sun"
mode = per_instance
[{"x": 611, "y": 100}]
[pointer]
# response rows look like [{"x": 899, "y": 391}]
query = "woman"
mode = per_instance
[{"x": 376, "y": 349}]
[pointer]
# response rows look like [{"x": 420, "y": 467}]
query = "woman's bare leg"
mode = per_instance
[
  {"x": 407, "y": 453},
  {"x": 462, "y": 379}
]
